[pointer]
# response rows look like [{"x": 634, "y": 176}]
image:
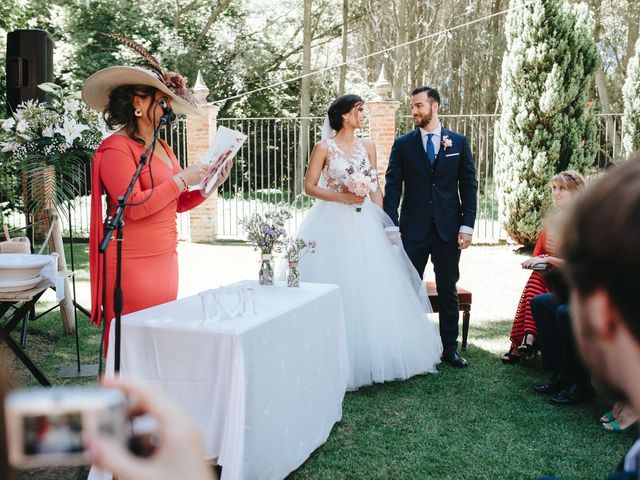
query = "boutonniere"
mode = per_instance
[{"x": 446, "y": 142}]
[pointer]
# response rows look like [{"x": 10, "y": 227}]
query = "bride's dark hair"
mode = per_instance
[{"x": 339, "y": 107}]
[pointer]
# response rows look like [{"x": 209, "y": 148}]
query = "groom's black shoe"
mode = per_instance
[{"x": 453, "y": 358}]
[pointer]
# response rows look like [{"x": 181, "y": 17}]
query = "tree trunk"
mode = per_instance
[
  {"x": 491, "y": 102},
  {"x": 601, "y": 82},
  {"x": 400, "y": 78},
  {"x": 345, "y": 25},
  {"x": 305, "y": 100},
  {"x": 632, "y": 33}
]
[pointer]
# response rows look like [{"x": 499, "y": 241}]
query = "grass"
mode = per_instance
[{"x": 484, "y": 422}]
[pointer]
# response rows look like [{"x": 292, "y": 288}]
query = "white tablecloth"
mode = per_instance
[{"x": 266, "y": 389}]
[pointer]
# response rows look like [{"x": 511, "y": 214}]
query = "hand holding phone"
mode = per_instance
[
  {"x": 180, "y": 450},
  {"x": 54, "y": 426}
]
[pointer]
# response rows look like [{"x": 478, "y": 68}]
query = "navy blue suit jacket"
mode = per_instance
[{"x": 445, "y": 192}]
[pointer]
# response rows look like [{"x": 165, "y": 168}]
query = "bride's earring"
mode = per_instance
[{"x": 137, "y": 112}]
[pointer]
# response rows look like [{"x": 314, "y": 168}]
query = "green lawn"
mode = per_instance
[{"x": 484, "y": 422}]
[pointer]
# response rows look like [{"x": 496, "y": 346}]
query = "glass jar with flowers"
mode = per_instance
[
  {"x": 266, "y": 233},
  {"x": 295, "y": 249}
]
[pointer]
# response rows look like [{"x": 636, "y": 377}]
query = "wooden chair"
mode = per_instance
[{"x": 464, "y": 299}]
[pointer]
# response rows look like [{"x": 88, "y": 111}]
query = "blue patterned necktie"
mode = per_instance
[{"x": 431, "y": 153}]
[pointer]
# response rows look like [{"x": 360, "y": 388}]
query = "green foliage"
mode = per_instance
[
  {"x": 237, "y": 48},
  {"x": 631, "y": 101},
  {"x": 547, "y": 72}
]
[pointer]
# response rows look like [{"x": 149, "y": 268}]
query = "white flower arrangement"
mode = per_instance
[
  {"x": 63, "y": 126},
  {"x": 62, "y": 134},
  {"x": 446, "y": 142}
]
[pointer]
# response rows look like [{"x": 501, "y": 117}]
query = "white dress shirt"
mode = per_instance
[{"x": 436, "y": 140}]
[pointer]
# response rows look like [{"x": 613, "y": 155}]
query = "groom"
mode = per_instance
[{"x": 435, "y": 168}]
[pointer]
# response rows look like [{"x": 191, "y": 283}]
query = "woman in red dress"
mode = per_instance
[
  {"x": 524, "y": 331},
  {"x": 132, "y": 101}
]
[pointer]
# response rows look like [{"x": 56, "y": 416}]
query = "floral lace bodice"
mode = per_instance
[{"x": 335, "y": 171}]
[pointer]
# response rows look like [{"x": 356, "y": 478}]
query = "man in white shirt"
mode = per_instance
[{"x": 432, "y": 170}]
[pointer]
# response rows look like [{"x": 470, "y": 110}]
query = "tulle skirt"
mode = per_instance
[{"x": 390, "y": 333}]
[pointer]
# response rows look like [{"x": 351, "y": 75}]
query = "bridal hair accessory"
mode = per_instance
[
  {"x": 327, "y": 131},
  {"x": 98, "y": 87}
]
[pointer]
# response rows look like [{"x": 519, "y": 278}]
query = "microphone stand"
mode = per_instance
[{"x": 117, "y": 223}]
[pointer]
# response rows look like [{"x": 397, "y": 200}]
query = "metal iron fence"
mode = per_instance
[
  {"x": 268, "y": 171},
  {"x": 75, "y": 216}
]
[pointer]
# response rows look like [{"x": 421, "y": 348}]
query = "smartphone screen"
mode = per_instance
[{"x": 52, "y": 434}]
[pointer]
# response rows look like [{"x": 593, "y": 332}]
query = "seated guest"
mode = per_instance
[
  {"x": 524, "y": 330},
  {"x": 600, "y": 244},
  {"x": 570, "y": 382}
]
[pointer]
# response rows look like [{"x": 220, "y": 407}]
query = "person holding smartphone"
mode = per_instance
[{"x": 524, "y": 331}]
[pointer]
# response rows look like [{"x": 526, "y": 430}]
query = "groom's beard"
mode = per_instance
[{"x": 422, "y": 121}]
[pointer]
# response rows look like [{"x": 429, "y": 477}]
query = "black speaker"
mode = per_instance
[{"x": 29, "y": 63}]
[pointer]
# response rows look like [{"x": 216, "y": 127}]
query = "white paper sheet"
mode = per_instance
[{"x": 224, "y": 147}]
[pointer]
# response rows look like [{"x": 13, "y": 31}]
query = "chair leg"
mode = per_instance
[
  {"x": 23, "y": 333},
  {"x": 465, "y": 327}
]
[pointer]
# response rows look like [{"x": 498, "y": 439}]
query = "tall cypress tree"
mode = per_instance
[
  {"x": 631, "y": 102},
  {"x": 547, "y": 71}
]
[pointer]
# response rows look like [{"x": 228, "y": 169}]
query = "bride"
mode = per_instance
[{"x": 389, "y": 333}]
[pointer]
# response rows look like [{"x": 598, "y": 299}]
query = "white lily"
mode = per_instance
[
  {"x": 71, "y": 130},
  {"x": 8, "y": 146},
  {"x": 71, "y": 106},
  {"x": 48, "y": 131},
  {"x": 22, "y": 126},
  {"x": 8, "y": 124}
]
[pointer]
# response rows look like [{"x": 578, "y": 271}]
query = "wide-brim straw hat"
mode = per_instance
[{"x": 97, "y": 88}]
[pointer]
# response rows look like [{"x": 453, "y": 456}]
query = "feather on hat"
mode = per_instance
[{"x": 97, "y": 88}]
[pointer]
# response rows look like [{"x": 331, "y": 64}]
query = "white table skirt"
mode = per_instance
[{"x": 265, "y": 389}]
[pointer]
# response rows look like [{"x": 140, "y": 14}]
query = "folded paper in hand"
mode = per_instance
[{"x": 226, "y": 144}]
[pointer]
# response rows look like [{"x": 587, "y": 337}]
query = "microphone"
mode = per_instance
[{"x": 167, "y": 112}]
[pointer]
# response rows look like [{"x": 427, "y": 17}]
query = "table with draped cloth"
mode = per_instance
[{"x": 265, "y": 388}]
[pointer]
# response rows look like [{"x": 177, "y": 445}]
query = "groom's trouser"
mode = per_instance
[{"x": 445, "y": 257}]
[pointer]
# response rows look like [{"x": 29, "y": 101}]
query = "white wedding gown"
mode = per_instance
[{"x": 389, "y": 330}]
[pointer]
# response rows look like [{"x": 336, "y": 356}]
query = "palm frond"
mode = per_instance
[{"x": 56, "y": 180}]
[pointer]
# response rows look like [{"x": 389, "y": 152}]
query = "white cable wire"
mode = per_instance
[{"x": 336, "y": 65}]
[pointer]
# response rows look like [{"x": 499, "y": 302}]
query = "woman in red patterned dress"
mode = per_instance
[{"x": 523, "y": 332}]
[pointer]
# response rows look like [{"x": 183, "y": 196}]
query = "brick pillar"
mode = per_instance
[
  {"x": 200, "y": 131},
  {"x": 382, "y": 123}
]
